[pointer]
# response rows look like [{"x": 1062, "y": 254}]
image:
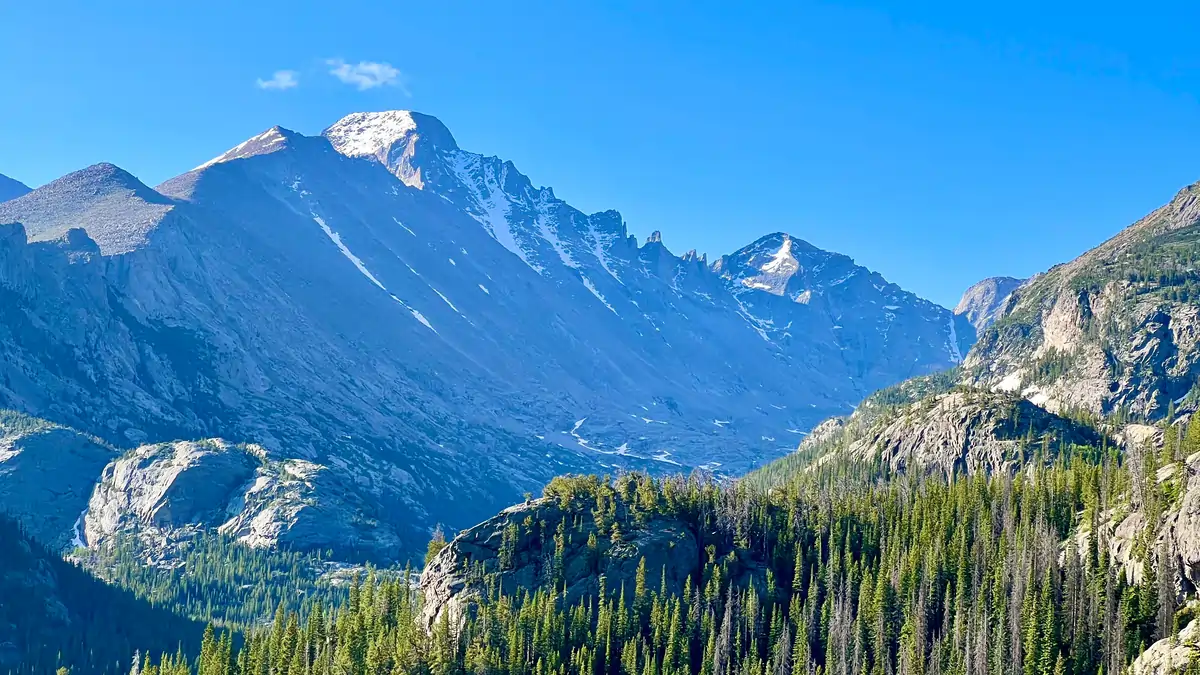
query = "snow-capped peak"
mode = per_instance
[
  {"x": 369, "y": 134},
  {"x": 270, "y": 140},
  {"x": 783, "y": 262},
  {"x": 390, "y": 137},
  {"x": 770, "y": 263}
]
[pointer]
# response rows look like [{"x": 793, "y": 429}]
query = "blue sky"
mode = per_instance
[{"x": 936, "y": 142}]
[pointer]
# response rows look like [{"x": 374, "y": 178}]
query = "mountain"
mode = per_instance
[
  {"x": 1116, "y": 329},
  {"x": 832, "y": 570},
  {"x": 932, "y": 425},
  {"x": 1108, "y": 338},
  {"x": 11, "y": 189},
  {"x": 393, "y": 332},
  {"x": 983, "y": 302}
]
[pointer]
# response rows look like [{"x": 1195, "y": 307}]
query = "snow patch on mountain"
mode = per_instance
[
  {"x": 418, "y": 316},
  {"x": 446, "y": 300},
  {"x": 337, "y": 240},
  {"x": 601, "y": 243},
  {"x": 406, "y": 228},
  {"x": 952, "y": 343},
  {"x": 268, "y": 141},
  {"x": 491, "y": 207},
  {"x": 587, "y": 283}
]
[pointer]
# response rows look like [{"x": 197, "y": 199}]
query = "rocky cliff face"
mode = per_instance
[
  {"x": 1116, "y": 328},
  {"x": 421, "y": 327},
  {"x": 958, "y": 432},
  {"x": 167, "y": 492},
  {"x": 69, "y": 489},
  {"x": 966, "y": 432},
  {"x": 985, "y": 301}
]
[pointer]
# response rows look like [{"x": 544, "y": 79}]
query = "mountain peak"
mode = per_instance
[
  {"x": 779, "y": 240},
  {"x": 116, "y": 209},
  {"x": 372, "y": 134},
  {"x": 98, "y": 179},
  {"x": 390, "y": 137},
  {"x": 271, "y": 140},
  {"x": 984, "y": 301}
]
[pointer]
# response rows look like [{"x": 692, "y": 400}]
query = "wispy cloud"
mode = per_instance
[
  {"x": 282, "y": 79},
  {"x": 367, "y": 74}
]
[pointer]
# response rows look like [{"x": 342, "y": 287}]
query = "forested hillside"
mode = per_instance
[
  {"x": 834, "y": 573},
  {"x": 221, "y": 581},
  {"x": 53, "y": 614}
]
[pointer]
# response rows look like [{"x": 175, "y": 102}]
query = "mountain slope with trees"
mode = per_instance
[
  {"x": 55, "y": 615},
  {"x": 1117, "y": 329}
]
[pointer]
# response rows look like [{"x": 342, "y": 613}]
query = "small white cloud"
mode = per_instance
[
  {"x": 367, "y": 74},
  {"x": 282, "y": 79}
]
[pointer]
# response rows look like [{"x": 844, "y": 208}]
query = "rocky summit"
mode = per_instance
[
  {"x": 985, "y": 301},
  {"x": 1108, "y": 338},
  {"x": 1116, "y": 329},
  {"x": 384, "y": 332}
]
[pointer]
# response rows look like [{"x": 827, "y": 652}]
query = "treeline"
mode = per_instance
[{"x": 827, "y": 575}]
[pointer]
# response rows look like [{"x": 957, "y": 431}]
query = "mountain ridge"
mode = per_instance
[
  {"x": 436, "y": 351},
  {"x": 10, "y": 188}
]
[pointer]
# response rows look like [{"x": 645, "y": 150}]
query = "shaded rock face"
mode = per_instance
[
  {"x": 433, "y": 331},
  {"x": 1116, "y": 328},
  {"x": 985, "y": 301},
  {"x": 27, "y": 573},
  {"x": 53, "y": 610},
  {"x": 11, "y": 189},
  {"x": 167, "y": 492},
  {"x": 521, "y": 554},
  {"x": 47, "y": 473}
]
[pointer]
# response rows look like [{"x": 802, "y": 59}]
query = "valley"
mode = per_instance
[{"x": 366, "y": 402}]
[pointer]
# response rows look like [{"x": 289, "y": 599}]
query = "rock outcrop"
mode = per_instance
[
  {"x": 165, "y": 493},
  {"x": 1182, "y": 526},
  {"x": 517, "y": 550},
  {"x": 966, "y": 431},
  {"x": 1171, "y": 655},
  {"x": 961, "y": 431}
]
